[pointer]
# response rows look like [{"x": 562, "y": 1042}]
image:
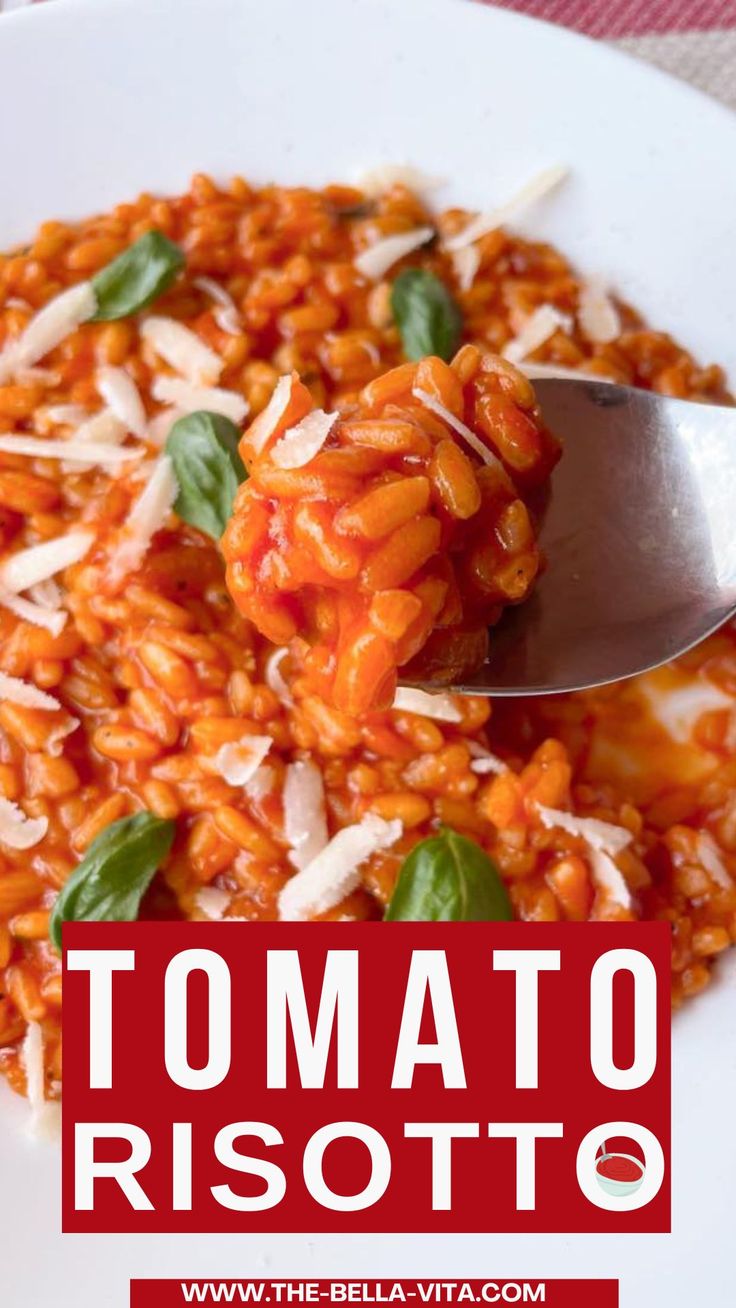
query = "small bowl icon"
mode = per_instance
[{"x": 611, "y": 1184}]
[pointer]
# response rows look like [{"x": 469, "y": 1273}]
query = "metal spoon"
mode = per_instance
[{"x": 639, "y": 537}]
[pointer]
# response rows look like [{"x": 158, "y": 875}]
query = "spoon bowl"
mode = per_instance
[{"x": 639, "y": 538}]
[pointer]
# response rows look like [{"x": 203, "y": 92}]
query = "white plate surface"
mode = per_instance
[{"x": 102, "y": 98}]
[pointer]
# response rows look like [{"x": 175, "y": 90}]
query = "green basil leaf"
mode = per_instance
[
  {"x": 204, "y": 451},
  {"x": 449, "y": 878},
  {"x": 115, "y": 873},
  {"x": 426, "y": 314},
  {"x": 139, "y": 275}
]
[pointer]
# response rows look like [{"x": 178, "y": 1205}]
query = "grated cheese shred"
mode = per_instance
[
  {"x": 48, "y": 328},
  {"x": 598, "y": 316},
  {"x": 301, "y": 443},
  {"x": 263, "y": 427},
  {"x": 605, "y": 836},
  {"x": 604, "y": 840},
  {"x": 374, "y": 262},
  {"x": 147, "y": 516},
  {"x": 102, "y": 428},
  {"x": 71, "y": 451},
  {"x": 182, "y": 349},
  {"x": 465, "y": 264},
  {"x": 274, "y": 677},
  {"x": 305, "y": 814},
  {"x": 484, "y": 761},
  {"x": 123, "y": 399},
  {"x": 335, "y": 871},
  {"x": 17, "y": 830},
  {"x": 213, "y": 902},
  {"x": 40, "y": 562},
  {"x": 30, "y": 610},
  {"x": 47, "y": 594},
  {"x": 609, "y": 878},
  {"x": 475, "y": 443},
  {"x": 161, "y": 423},
  {"x": 539, "y": 186},
  {"x": 188, "y": 398},
  {"x": 225, "y": 313},
  {"x": 238, "y": 761},
  {"x": 441, "y": 706},
  {"x": 45, "y": 1118},
  {"x": 537, "y": 330},
  {"x": 710, "y": 856},
  {"x": 15, "y": 691}
]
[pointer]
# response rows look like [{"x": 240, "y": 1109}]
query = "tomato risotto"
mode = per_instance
[
  {"x": 390, "y": 544},
  {"x": 247, "y": 758}
]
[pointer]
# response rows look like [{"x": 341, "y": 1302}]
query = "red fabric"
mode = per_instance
[{"x": 617, "y": 18}]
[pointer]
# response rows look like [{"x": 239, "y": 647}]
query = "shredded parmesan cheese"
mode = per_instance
[
  {"x": 443, "y": 707},
  {"x": 161, "y": 423},
  {"x": 300, "y": 443},
  {"x": 605, "y": 836},
  {"x": 45, "y": 1120},
  {"x": 15, "y": 691},
  {"x": 39, "y": 562},
  {"x": 58, "y": 734},
  {"x": 484, "y": 761},
  {"x": 374, "y": 262},
  {"x": 334, "y": 873},
  {"x": 37, "y": 377},
  {"x": 103, "y": 428},
  {"x": 484, "y": 223},
  {"x": 47, "y": 594},
  {"x": 18, "y": 831},
  {"x": 305, "y": 815},
  {"x": 262, "y": 428},
  {"x": 710, "y": 857},
  {"x": 376, "y": 181},
  {"x": 465, "y": 263},
  {"x": 226, "y": 314},
  {"x": 148, "y": 515},
  {"x": 609, "y": 878},
  {"x": 597, "y": 314},
  {"x": 61, "y": 415},
  {"x": 187, "y": 398},
  {"x": 57, "y": 320},
  {"x": 261, "y": 783},
  {"x": 538, "y": 328},
  {"x": 122, "y": 397},
  {"x": 676, "y": 707},
  {"x": 238, "y": 761},
  {"x": 475, "y": 443},
  {"x": 72, "y": 451},
  {"x": 274, "y": 678},
  {"x": 182, "y": 349},
  {"x": 212, "y": 902},
  {"x": 29, "y": 610}
]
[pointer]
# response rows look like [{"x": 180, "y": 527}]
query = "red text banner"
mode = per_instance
[
  {"x": 416, "y": 1077},
  {"x": 552, "y": 1294}
]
